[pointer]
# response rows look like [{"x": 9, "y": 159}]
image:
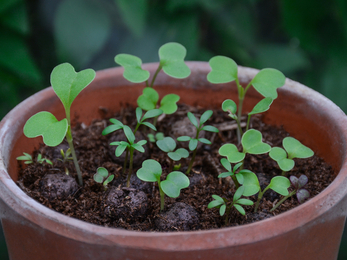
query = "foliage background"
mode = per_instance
[{"x": 306, "y": 40}]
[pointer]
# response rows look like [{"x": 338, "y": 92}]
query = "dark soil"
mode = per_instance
[{"x": 138, "y": 207}]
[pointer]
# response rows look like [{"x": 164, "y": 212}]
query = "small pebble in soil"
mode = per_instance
[
  {"x": 58, "y": 186},
  {"x": 179, "y": 216}
]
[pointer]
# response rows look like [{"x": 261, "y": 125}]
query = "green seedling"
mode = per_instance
[
  {"x": 278, "y": 184},
  {"x": 168, "y": 145},
  {"x": 266, "y": 82},
  {"x": 28, "y": 159},
  {"x": 292, "y": 149},
  {"x": 171, "y": 57},
  {"x": 153, "y": 138},
  {"x": 251, "y": 143},
  {"x": 131, "y": 146},
  {"x": 67, "y": 84},
  {"x": 175, "y": 181},
  {"x": 193, "y": 142},
  {"x": 66, "y": 157},
  {"x": 101, "y": 176},
  {"x": 301, "y": 193},
  {"x": 225, "y": 206}
]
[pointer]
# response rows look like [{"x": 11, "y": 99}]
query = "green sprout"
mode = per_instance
[
  {"x": 301, "y": 193},
  {"x": 101, "y": 176},
  {"x": 131, "y": 146},
  {"x": 66, "y": 157},
  {"x": 171, "y": 57},
  {"x": 225, "y": 206},
  {"x": 175, "y": 181},
  {"x": 193, "y": 142},
  {"x": 292, "y": 149},
  {"x": 266, "y": 82},
  {"x": 153, "y": 138},
  {"x": 28, "y": 159},
  {"x": 67, "y": 84},
  {"x": 168, "y": 145}
]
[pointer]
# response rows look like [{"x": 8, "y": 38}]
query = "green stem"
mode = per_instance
[
  {"x": 282, "y": 200},
  {"x": 237, "y": 184},
  {"x": 162, "y": 197},
  {"x": 130, "y": 166},
  {"x": 260, "y": 196},
  {"x": 155, "y": 75},
  {"x": 147, "y": 83},
  {"x": 248, "y": 120},
  {"x": 226, "y": 221},
  {"x": 74, "y": 157},
  {"x": 126, "y": 160},
  {"x": 191, "y": 162}
]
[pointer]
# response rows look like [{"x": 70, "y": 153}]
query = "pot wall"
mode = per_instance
[{"x": 33, "y": 231}]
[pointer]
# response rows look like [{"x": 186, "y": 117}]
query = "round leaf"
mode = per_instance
[
  {"x": 252, "y": 142},
  {"x": 132, "y": 68},
  {"x": 229, "y": 106},
  {"x": 173, "y": 184},
  {"x": 267, "y": 81},
  {"x": 102, "y": 172},
  {"x": 168, "y": 103},
  {"x": 262, "y": 106},
  {"x": 167, "y": 144},
  {"x": 280, "y": 185},
  {"x": 286, "y": 164},
  {"x": 98, "y": 178},
  {"x": 182, "y": 152},
  {"x": 46, "y": 125},
  {"x": 277, "y": 153},
  {"x": 223, "y": 68},
  {"x": 232, "y": 153},
  {"x": 150, "y": 171},
  {"x": 302, "y": 195},
  {"x": 149, "y": 98},
  {"x": 295, "y": 149},
  {"x": 250, "y": 182}
]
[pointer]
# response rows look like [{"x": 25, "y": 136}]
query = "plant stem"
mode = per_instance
[
  {"x": 237, "y": 184},
  {"x": 171, "y": 165},
  {"x": 226, "y": 221},
  {"x": 130, "y": 166},
  {"x": 191, "y": 161},
  {"x": 248, "y": 120},
  {"x": 155, "y": 75},
  {"x": 282, "y": 200},
  {"x": 162, "y": 197},
  {"x": 126, "y": 160},
  {"x": 74, "y": 157}
]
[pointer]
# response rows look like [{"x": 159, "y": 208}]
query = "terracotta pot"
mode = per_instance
[{"x": 311, "y": 231}]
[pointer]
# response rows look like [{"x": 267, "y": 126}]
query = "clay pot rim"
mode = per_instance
[{"x": 267, "y": 228}]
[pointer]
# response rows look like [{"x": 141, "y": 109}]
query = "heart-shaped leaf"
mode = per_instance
[
  {"x": 252, "y": 143},
  {"x": 280, "y": 156},
  {"x": 171, "y": 57},
  {"x": 132, "y": 68},
  {"x": 302, "y": 195},
  {"x": 149, "y": 98},
  {"x": 168, "y": 144},
  {"x": 232, "y": 153},
  {"x": 168, "y": 103},
  {"x": 250, "y": 182},
  {"x": 223, "y": 68},
  {"x": 229, "y": 106},
  {"x": 295, "y": 149},
  {"x": 67, "y": 83},
  {"x": 46, "y": 125},
  {"x": 173, "y": 184},
  {"x": 280, "y": 185},
  {"x": 102, "y": 172},
  {"x": 150, "y": 171},
  {"x": 267, "y": 81},
  {"x": 262, "y": 106}
]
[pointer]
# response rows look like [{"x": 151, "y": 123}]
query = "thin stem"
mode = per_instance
[
  {"x": 226, "y": 221},
  {"x": 147, "y": 83},
  {"x": 162, "y": 197},
  {"x": 282, "y": 200},
  {"x": 130, "y": 166},
  {"x": 155, "y": 75},
  {"x": 74, "y": 157},
  {"x": 126, "y": 160},
  {"x": 237, "y": 184},
  {"x": 171, "y": 165},
  {"x": 248, "y": 120},
  {"x": 260, "y": 196}
]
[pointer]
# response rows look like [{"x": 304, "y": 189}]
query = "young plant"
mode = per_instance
[
  {"x": 28, "y": 159},
  {"x": 266, "y": 82},
  {"x": 193, "y": 142},
  {"x": 171, "y": 57},
  {"x": 153, "y": 138},
  {"x": 292, "y": 149},
  {"x": 225, "y": 206},
  {"x": 131, "y": 146},
  {"x": 67, "y": 84},
  {"x": 168, "y": 145},
  {"x": 237, "y": 177},
  {"x": 101, "y": 176},
  {"x": 175, "y": 181},
  {"x": 301, "y": 193},
  {"x": 66, "y": 157}
]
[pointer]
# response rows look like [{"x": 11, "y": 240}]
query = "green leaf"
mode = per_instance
[
  {"x": 184, "y": 138},
  {"x": 167, "y": 144},
  {"x": 152, "y": 113},
  {"x": 132, "y": 68},
  {"x": 98, "y": 178},
  {"x": 148, "y": 100},
  {"x": 226, "y": 164},
  {"x": 46, "y": 125},
  {"x": 138, "y": 147},
  {"x": 246, "y": 202},
  {"x": 223, "y": 70},
  {"x": 108, "y": 180},
  {"x": 102, "y": 172},
  {"x": 216, "y": 202},
  {"x": 280, "y": 185},
  {"x": 67, "y": 84},
  {"x": 222, "y": 209},
  {"x": 129, "y": 134},
  {"x": 173, "y": 184},
  {"x": 193, "y": 144},
  {"x": 252, "y": 142},
  {"x": 239, "y": 192},
  {"x": 204, "y": 141},
  {"x": 232, "y": 153},
  {"x": 240, "y": 209},
  {"x": 178, "y": 154},
  {"x": 168, "y": 103},
  {"x": 262, "y": 106},
  {"x": 229, "y": 106},
  {"x": 193, "y": 119},
  {"x": 120, "y": 149},
  {"x": 295, "y": 149},
  {"x": 205, "y": 116},
  {"x": 138, "y": 113},
  {"x": 150, "y": 171},
  {"x": 151, "y": 126},
  {"x": 250, "y": 182},
  {"x": 267, "y": 81},
  {"x": 172, "y": 60},
  {"x": 210, "y": 128},
  {"x": 280, "y": 156}
]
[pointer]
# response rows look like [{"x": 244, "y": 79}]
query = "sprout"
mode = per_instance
[
  {"x": 175, "y": 181},
  {"x": 66, "y": 157},
  {"x": 27, "y": 158},
  {"x": 101, "y": 176},
  {"x": 193, "y": 142},
  {"x": 153, "y": 138}
]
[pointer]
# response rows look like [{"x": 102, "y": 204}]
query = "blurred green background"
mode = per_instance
[{"x": 305, "y": 39}]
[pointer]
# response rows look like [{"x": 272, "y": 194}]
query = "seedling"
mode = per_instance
[
  {"x": 266, "y": 82},
  {"x": 102, "y": 176},
  {"x": 67, "y": 84},
  {"x": 251, "y": 142},
  {"x": 27, "y": 158},
  {"x": 193, "y": 142},
  {"x": 301, "y": 193},
  {"x": 225, "y": 206},
  {"x": 168, "y": 145},
  {"x": 292, "y": 149},
  {"x": 66, "y": 157},
  {"x": 175, "y": 181},
  {"x": 131, "y": 146},
  {"x": 153, "y": 138},
  {"x": 171, "y": 57}
]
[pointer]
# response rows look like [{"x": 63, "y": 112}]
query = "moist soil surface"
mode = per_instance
[{"x": 138, "y": 206}]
